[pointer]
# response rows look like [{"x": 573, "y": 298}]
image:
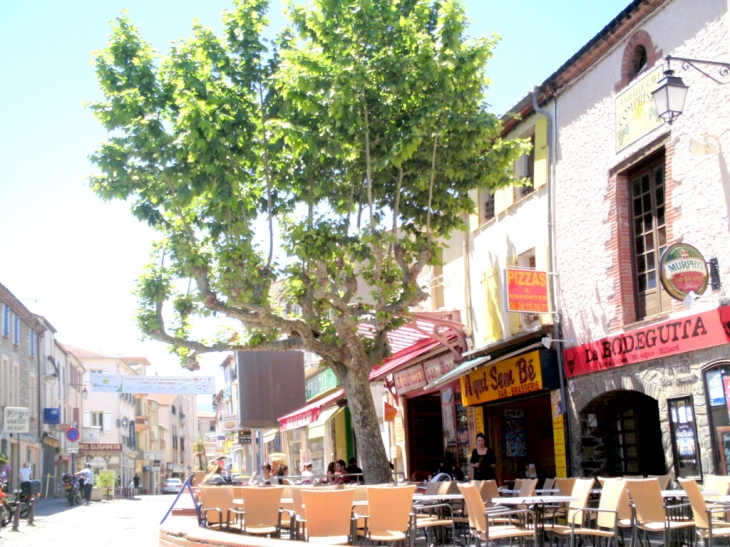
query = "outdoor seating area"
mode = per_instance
[{"x": 608, "y": 511}]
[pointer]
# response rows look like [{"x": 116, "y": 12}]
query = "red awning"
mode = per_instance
[
  {"x": 402, "y": 357},
  {"x": 308, "y": 414}
]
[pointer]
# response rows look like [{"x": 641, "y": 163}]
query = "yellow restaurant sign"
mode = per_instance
[
  {"x": 515, "y": 376},
  {"x": 636, "y": 113}
]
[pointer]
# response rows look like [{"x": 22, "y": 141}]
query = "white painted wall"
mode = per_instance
[{"x": 587, "y": 153}]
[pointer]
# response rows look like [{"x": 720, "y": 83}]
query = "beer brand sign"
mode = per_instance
[
  {"x": 515, "y": 376},
  {"x": 704, "y": 330},
  {"x": 527, "y": 291},
  {"x": 682, "y": 270}
]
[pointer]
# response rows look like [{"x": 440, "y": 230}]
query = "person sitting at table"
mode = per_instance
[
  {"x": 329, "y": 477},
  {"x": 448, "y": 466},
  {"x": 307, "y": 475},
  {"x": 265, "y": 477},
  {"x": 482, "y": 461},
  {"x": 282, "y": 473},
  {"x": 341, "y": 472},
  {"x": 214, "y": 476},
  {"x": 354, "y": 471}
]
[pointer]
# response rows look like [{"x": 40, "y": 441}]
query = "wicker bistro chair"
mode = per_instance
[
  {"x": 548, "y": 484},
  {"x": 652, "y": 515},
  {"x": 328, "y": 516},
  {"x": 581, "y": 490},
  {"x": 481, "y": 528},
  {"x": 709, "y": 520},
  {"x": 261, "y": 512},
  {"x": 215, "y": 503},
  {"x": 716, "y": 486},
  {"x": 389, "y": 514},
  {"x": 565, "y": 485},
  {"x": 598, "y": 523},
  {"x": 663, "y": 480}
]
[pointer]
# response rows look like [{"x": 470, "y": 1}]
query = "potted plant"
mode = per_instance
[
  {"x": 199, "y": 451},
  {"x": 104, "y": 483}
]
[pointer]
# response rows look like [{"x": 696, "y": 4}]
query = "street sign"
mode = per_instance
[
  {"x": 72, "y": 449},
  {"x": 72, "y": 434},
  {"x": 17, "y": 419}
]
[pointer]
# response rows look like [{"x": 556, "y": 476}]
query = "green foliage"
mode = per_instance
[
  {"x": 359, "y": 134},
  {"x": 106, "y": 480},
  {"x": 351, "y": 144}
]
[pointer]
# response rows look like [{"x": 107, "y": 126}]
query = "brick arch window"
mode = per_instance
[{"x": 639, "y": 54}]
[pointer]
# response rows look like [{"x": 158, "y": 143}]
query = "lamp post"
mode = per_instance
[
  {"x": 671, "y": 91},
  {"x": 84, "y": 391}
]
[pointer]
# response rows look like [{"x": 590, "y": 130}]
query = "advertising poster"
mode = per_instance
[{"x": 515, "y": 433}]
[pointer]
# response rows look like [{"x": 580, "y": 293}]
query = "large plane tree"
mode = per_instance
[{"x": 338, "y": 158}]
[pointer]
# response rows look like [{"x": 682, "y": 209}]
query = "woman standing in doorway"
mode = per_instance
[{"x": 482, "y": 461}]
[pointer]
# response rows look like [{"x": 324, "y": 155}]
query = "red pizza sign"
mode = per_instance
[{"x": 527, "y": 291}]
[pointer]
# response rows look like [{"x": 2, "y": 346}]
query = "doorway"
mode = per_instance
[
  {"x": 425, "y": 434},
  {"x": 621, "y": 435}
]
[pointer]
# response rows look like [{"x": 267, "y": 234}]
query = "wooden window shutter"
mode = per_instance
[
  {"x": 87, "y": 418},
  {"x": 542, "y": 262},
  {"x": 492, "y": 306},
  {"x": 541, "y": 153},
  {"x": 513, "y": 317},
  {"x": 475, "y": 218},
  {"x": 107, "y": 420}
]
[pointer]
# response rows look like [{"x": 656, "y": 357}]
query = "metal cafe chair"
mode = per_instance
[{"x": 710, "y": 520}]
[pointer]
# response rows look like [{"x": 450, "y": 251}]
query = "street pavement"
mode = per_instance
[{"x": 115, "y": 523}]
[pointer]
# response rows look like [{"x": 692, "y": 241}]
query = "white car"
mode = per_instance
[{"x": 171, "y": 486}]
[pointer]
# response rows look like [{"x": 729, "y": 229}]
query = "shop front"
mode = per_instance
[
  {"x": 110, "y": 456},
  {"x": 638, "y": 406},
  {"x": 434, "y": 421},
  {"x": 516, "y": 404},
  {"x": 319, "y": 432}
]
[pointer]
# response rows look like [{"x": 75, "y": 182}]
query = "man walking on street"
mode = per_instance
[
  {"x": 135, "y": 480},
  {"x": 88, "y": 476}
]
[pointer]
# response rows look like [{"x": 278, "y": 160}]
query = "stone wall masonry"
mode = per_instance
[{"x": 661, "y": 379}]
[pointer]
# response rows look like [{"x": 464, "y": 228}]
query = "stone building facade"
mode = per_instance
[{"x": 628, "y": 188}]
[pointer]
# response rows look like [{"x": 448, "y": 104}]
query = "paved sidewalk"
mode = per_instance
[{"x": 115, "y": 523}]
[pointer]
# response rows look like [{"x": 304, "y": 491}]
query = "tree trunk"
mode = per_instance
[{"x": 370, "y": 448}]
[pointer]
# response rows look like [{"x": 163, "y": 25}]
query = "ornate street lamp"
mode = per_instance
[{"x": 671, "y": 91}]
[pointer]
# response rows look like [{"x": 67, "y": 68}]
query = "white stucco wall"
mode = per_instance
[{"x": 587, "y": 154}]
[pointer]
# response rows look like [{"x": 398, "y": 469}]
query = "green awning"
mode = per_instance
[
  {"x": 316, "y": 429},
  {"x": 270, "y": 434}
]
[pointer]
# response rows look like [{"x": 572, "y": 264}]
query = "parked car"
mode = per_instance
[{"x": 171, "y": 486}]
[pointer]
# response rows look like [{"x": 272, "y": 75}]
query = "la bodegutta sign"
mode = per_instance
[{"x": 703, "y": 330}]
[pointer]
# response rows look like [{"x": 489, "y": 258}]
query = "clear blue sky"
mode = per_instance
[{"x": 73, "y": 258}]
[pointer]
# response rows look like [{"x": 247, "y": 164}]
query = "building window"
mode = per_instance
[
  {"x": 649, "y": 231},
  {"x": 525, "y": 169},
  {"x": 6, "y": 383},
  {"x": 32, "y": 343},
  {"x": 637, "y": 61},
  {"x": 173, "y": 409},
  {"x": 15, "y": 385},
  {"x": 486, "y": 205},
  {"x": 16, "y": 329},
  {"x": 97, "y": 419},
  {"x": 6, "y": 321},
  {"x": 717, "y": 384}
]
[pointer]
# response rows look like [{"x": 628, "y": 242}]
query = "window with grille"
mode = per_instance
[
  {"x": 488, "y": 205},
  {"x": 647, "y": 191}
]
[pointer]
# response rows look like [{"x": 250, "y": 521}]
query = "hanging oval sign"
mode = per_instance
[{"x": 683, "y": 270}]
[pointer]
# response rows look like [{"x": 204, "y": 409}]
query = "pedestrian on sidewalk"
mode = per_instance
[{"x": 135, "y": 481}]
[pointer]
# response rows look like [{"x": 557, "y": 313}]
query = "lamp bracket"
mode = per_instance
[{"x": 723, "y": 69}]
